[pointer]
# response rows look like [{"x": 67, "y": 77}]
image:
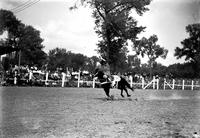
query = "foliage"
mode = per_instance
[
  {"x": 191, "y": 47},
  {"x": 91, "y": 63},
  {"x": 26, "y": 38},
  {"x": 181, "y": 70},
  {"x": 115, "y": 26},
  {"x": 151, "y": 49},
  {"x": 30, "y": 44},
  {"x": 9, "y": 23},
  {"x": 60, "y": 58}
]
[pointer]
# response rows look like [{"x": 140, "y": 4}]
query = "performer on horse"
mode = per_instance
[{"x": 102, "y": 72}]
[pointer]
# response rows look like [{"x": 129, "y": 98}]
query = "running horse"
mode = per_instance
[{"x": 106, "y": 82}]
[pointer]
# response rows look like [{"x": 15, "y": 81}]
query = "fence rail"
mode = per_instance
[{"x": 155, "y": 83}]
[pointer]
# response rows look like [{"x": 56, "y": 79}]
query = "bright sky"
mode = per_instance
[{"x": 74, "y": 30}]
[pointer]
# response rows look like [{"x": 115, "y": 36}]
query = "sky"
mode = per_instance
[{"x": 74, "y": 30}]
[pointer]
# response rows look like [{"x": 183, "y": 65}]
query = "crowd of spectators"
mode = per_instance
[{"x": 32, "y": 76}]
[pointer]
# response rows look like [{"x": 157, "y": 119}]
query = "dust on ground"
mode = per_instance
[{"x": 37, "y": 112}]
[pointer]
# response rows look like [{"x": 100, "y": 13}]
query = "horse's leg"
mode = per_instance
[
  {"x": 128, "y": 95},
  {"x": 122, "y": 92},
  {"x": 129, "y": 86}
]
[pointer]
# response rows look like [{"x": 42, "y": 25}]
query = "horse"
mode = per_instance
[
  {"x": 104, "y": 80},
  {"x": 106, "y": 83},
  {"x": 123, "y": 85}
]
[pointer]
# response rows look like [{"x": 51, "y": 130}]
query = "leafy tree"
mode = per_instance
[
  {"x": 60, "y": 58},
  {"x": 90, "y": 64},
  {"x": 25, "y": 38},
  {"x": 119, "y": 61},
  {"x": 191, "y": 47},
  {"x": 181, "y": 70},
  {"x": 159, "y": 69},
  {"x": 10, "y": 24},
  {"x": 115, "y": 26},
  {"x": 78, "y": 61},
  {"x": 30, "y": 44},
  {"x": 57, "y": 57},
  {"x": 151, "y": 49},
  {"x": 134, "y": 64}
]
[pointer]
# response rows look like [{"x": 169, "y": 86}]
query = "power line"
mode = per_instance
[
  {"x": 20, "y": 5},
  {"x": 25, "y": 6}
]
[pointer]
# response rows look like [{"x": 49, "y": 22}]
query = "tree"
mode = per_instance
[
  {"x": 181, "y": 70},
  {"x": 134, "y": 64},
  {"x": 78, "y": 61},
  {"x": 191, "y": 47},
  {"x": 115, "y": 26},
  {"x": 23, "y": 37},
  {"x": 10, "y": 24},
  {"x": 159, "y": 69},
  {"x": 60, "y": 58},
  {"x": 30, "y": 45},
  {"x": 151, "y": 49},
  {"x": 91, "y": 63},
  {"x": 57, "y": 57}
]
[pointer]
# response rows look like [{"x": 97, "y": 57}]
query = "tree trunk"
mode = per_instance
[
  {"x": 151, "y": 66},
  {"x": 108, "y": 40}
]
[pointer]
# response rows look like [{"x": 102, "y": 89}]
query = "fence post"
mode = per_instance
[
  {"x": 93, "y": 83},
  {"x": 183, "y": 84},
  {"x": 30, "y": 75},
  {"x": 79, "y": 75},
  {"x": 46, "y": 80},
  {"x": 63, "y": 79},
  {"x": 157, "y": 83},
  {"x": 164, "y": 83},
  {"x": 154, "y": 82},
  {"x": 173, "y": 84},
  {"x": 142, "y": 82},
  {"x": 131, "y": 79},
  {"x": 192, "y": 85},
  {"x": 15, "y": 78}
]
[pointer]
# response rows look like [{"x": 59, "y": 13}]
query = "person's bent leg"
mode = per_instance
[{"x": 106, "y": 88}]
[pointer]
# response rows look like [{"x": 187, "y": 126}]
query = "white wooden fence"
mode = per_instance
[{"x": 155, "y": 83}]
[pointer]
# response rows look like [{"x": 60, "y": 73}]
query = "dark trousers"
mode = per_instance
[{"x": 106, "y": 88}]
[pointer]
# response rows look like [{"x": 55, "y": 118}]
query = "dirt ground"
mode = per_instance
[{"x": 38, "y": 112}]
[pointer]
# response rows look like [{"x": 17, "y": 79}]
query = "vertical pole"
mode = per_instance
[
  {"x": 15, "y": 78},
  {"x": 19, "y": 60},
  {"x": 46, "y": 80},
  {"x": 79, "y": 75},
  {"x": 142, "y": 82},
  {"x": 153, "y": 82},
  {"x": 93, "y": 83},
  {"x": 164, "y": 83},
  {"x": 30, "y": 75},
  {"x": 183, "y": 84},
  {"x": 131, "y": 79},
  {"x": 63, "y": 79},
  {"x": 157, "y": 80},
  {"x": 173, "y": 84},
  {"x": 192, "y": 85}
]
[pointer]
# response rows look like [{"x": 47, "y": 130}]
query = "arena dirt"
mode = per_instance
[{"x": 29, "y": 112}]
